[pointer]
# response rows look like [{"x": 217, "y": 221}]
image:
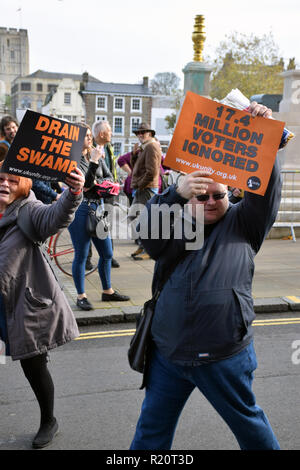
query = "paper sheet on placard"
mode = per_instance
[{"x": 237, "y": 149}]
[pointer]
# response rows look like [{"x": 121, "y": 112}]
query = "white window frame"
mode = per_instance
[
  {"x": 119, "y": 110},
  {"x": 139, "y": 121},
  {"x": 69, "y": 95},
  {"x": 105, "y": 106},
  {"x": 132, "y": 144},
  {"x": 121, "y": 146},
  {"x": 100, "y": 118},
  {"x": 118, "y": 133},
  {"x": 136, "y": 110}
]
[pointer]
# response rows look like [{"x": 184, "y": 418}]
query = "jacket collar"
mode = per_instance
[
  {"x": 11, "y": 212},
  {"x": 150, "y": 141}
]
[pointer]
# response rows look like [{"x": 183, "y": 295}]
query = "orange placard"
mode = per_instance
[{"x": 237, "y": 149}]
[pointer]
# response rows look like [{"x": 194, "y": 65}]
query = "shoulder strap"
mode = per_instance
[
  {"x": 25, "y": 224},
  {"x": 168, "y": 273}
]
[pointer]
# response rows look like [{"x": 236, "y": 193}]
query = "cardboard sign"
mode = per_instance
[
  {"x": 237, "y": 149},
  {"x": 45, "y": 148}
]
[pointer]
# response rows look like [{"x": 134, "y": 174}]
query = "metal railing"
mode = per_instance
[{"x": 289, "y": 210}]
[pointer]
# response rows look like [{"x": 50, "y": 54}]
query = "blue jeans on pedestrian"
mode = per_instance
[
  {"x": 81, "y": 241},
  {"x": 227, "y": 386}
]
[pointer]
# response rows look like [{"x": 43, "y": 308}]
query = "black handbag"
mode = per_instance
[
  {"x": 96, "y": 222},
  {"x": 140, "y": 343}
]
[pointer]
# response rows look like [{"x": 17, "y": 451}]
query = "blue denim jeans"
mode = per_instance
[
  {"x": 81, "y": 241},
  {"x": 227, "y": 386}
]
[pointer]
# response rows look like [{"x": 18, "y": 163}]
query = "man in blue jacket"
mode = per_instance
[{"x": 202, "y": 333}]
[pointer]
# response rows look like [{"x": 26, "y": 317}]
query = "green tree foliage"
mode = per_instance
[
  {"x": 171, "y": 121},
  {"x": 249, "y": 63},
  {"x": 165, "y": 83}
]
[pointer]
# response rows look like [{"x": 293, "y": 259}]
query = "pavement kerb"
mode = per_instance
[
  {"x": 129, "y": 313},
  {"x": 275, "y": 287}
]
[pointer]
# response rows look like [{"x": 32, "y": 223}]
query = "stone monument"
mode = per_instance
[
  {"x": 289, "y": 112},
  {"x": 197, "y": 73}
]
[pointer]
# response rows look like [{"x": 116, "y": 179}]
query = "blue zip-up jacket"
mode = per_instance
[{"x": 205, "y": 310}]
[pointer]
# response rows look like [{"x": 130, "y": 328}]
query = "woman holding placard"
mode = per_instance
[{"x": 34, "y": 313}]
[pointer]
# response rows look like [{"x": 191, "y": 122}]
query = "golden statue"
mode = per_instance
[{"x": 198, "y": 38}]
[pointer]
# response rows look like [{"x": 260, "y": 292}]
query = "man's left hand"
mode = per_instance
[{"x": 259, "y": 110}]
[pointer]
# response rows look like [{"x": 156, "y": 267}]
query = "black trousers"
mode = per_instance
[{"x": 38, "y": 375}]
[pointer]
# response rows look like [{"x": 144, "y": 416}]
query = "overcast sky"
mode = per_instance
[{"x": 123, "y": 40}]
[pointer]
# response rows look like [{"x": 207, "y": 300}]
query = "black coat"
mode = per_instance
[
  {"x": 94, "y": 172},
  {"x": 205, "y": 310}
]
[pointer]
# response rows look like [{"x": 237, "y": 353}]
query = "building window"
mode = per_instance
[
  {"x": 135, "y": 122},
  {"x": 118, "y": 148},
  {"x": 136, "y": 105},
  {"x": 101, "y": 102},
  {"x": 131, "y": 145},
  {"x": 25, "y": 86},
  {"x": 39, "y": 105},
  {"x": 52, "y": 88},
  {"x": 67, "y": 98},
  {"x": 39, "y": 87},
  {"x": 12, "y": 55},
  {"x": 119, "y": 104},
  {"x": 26, "y": 102},
  {"x": 118, "y": 125},
  {"x": 101, "y": 118}
]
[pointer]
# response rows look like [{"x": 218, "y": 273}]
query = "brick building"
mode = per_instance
[{"x": 125, "y": 106}]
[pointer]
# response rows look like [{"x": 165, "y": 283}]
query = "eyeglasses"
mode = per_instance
[
  {"x": 141, "y": 132},
  {"x": 205, "y": 197},
  {"x": 9, "y": 180}
]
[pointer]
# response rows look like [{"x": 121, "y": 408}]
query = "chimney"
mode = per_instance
[
  {"x": 84, "y": 80},
  {"x": 146, "y": 82}
]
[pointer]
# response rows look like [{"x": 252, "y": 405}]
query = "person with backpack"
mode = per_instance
[{"x": 35, "y": 315}]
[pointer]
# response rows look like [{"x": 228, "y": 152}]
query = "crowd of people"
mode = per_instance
[
  {"x": 98, "y": 163},
  {"x": 201, "y": 332}
]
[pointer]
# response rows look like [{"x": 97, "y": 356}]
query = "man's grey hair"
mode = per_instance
[{"x": 98, "y": 126}]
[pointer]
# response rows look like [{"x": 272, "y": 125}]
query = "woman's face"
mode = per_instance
[
  {"x": 8, "y": 189},
  {"x": 88, "y": 140}
]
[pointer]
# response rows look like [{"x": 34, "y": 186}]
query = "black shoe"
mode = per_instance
[
  {"x": 45, "y": 435},
  {"x": 141, "y": 256},
  {"x": 84, "y": 304},
  {"x": 137, "y": 252},
  {"x": 116, "y": 297},
  {"x": 89, "y": 266},
  {"x": 114, "y": 263}
]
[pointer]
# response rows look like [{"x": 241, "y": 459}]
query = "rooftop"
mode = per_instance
[
  {"x": 119, "y": 88},
  {"x": 59, "y": 76}
]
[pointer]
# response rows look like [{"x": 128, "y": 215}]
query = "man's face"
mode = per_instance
[
  {"x": 214, "y": 210},
  {"x": 144, "y": 136},
  {"x": 10, "y": 131},
  {"x": 106, "y": 133}
]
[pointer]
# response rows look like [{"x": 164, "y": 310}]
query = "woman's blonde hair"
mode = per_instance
[{"x": 24, "y": 185}]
